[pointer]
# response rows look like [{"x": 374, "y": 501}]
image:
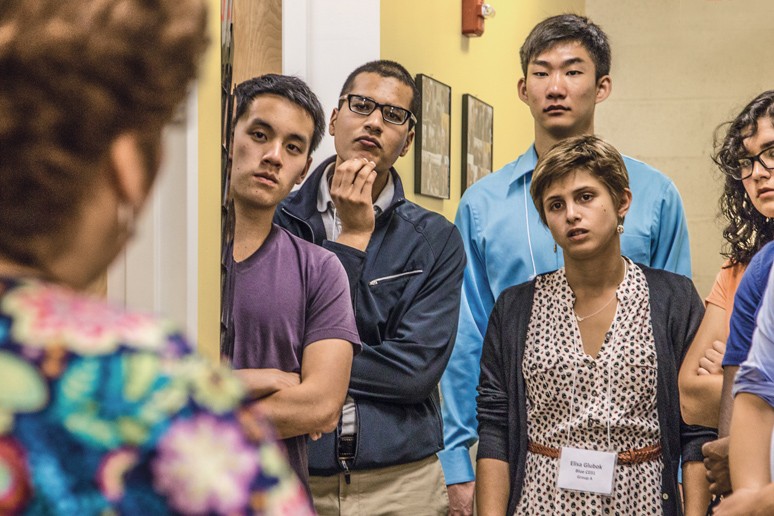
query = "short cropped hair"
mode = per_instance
[
  {"x": 77, "y": 74},
  {"x": 565, "y": 28},
  {"x": 588, "y": 153},
  {"x": 291, "y": 88},
  {"x": 386, "y": 68}
]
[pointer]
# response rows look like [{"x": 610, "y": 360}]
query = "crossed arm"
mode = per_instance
[
  {"x": 700, "y": 380},
  {"x": 312, "y": 404}
]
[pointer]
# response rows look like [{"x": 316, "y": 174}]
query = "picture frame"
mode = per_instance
[
  {"x": 477, "y": 139},
  {"x": 432, "y": 154}
]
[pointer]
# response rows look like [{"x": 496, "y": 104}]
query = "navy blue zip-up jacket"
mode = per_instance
[{"x": 406, "y": 294}]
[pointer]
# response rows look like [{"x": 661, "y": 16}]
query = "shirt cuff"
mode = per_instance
[
  {"x": 456, "y": 464},
  {"x": 734, "y": 357}
]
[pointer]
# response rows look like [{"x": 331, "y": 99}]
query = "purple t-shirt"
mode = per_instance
[{"x": 287, "y": 295}]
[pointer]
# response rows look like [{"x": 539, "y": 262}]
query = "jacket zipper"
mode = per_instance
[
  {"x": 311, "y": 233},
  {"x": 376, "y": 281},
  {"x": 302, "y": 221}
]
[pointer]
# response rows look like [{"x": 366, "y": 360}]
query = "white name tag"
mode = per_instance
[{"x": 587, "y": 470}]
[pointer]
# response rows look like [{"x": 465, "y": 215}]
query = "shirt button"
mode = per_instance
[{"x": 665, "y": 496}]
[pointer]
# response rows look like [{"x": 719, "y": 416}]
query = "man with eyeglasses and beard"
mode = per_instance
[{"x": 405, "y": 266}]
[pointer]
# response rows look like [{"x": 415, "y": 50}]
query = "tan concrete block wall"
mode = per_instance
[{"x": 681, "y": 68}]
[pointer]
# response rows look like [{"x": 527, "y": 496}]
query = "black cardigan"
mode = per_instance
[{"x": 676, "y": 312}]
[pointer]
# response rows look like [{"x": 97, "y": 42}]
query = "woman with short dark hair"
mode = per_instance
[{"x": 577, "y": 403}]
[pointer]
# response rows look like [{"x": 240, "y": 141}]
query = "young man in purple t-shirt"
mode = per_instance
[{"x": 292, "y": 331}]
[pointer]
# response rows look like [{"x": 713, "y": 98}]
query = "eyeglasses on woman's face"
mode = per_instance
[{"x": 745, "y": 165}]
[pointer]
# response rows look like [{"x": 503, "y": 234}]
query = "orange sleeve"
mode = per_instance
[{"x": 724, "y": 288}]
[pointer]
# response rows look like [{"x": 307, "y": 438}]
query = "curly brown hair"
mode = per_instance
[
  {"x": 747, "y": 229},
  {"x": 74, "y": 75}
]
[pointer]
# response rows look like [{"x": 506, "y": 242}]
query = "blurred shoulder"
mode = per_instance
[{"x": 39, "y": 315}]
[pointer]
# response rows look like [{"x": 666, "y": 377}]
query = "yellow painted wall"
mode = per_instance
[
  {"x": 426, "y": 38},
  {"x": 208, "y": 90}
]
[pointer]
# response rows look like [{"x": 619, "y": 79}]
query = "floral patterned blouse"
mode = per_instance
[{"x": 108, "y": 412}]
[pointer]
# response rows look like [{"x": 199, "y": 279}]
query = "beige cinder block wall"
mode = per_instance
[{"x": 680, "y": 68}]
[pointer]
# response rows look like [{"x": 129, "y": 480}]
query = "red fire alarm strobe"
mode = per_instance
[{"x": 474, "y": 13}]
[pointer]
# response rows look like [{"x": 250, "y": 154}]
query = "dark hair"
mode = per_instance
[
  {"x": 386, "y": 68},
  {"x": 748, "y": 229},
  {"x": 563, "y": 28},
  {"x": 76, "y": 75},
  {"x": 291, "y": 88},
  {"x": 586, "y": 152}
]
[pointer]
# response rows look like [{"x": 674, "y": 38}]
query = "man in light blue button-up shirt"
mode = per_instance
[{"x": 566, "y": 62}]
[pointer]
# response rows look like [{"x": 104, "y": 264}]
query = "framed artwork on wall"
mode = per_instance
[
  {"x": 477, "y": 139},
  {"x": 432, "y": 154}
]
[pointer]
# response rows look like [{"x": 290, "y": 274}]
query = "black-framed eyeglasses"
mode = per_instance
[
  {"x": 745, "y": 165},
  {"x": 365, "y": 106}
]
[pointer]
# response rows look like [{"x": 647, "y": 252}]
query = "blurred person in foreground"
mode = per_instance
[{"x": 104, "y": 411}]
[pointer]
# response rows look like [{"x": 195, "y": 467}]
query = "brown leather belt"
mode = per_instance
[{"x": 647, "y": 454}]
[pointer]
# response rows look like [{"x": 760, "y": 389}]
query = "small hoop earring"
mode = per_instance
[
  {"x": 126, "y": 217},
  {"x": 619, "y": 229}
]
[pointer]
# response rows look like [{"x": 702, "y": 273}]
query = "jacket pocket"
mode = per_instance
[
  {"x": 386, "y": 300},
  {"x": 394, "y": 277}
]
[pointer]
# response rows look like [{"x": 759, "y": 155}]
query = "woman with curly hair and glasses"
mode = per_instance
[
  {"x": 745, "y": 155},
  {"x": 104, "y": 411}
]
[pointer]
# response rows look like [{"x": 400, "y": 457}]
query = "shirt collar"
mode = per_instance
[
  {"x": 525, "y": 164},
  {"x": 385, "y": 198},
  {"x": 324, "y": 193}
]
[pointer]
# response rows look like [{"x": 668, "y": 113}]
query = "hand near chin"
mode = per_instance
[{"x": 351, "y": 191}]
